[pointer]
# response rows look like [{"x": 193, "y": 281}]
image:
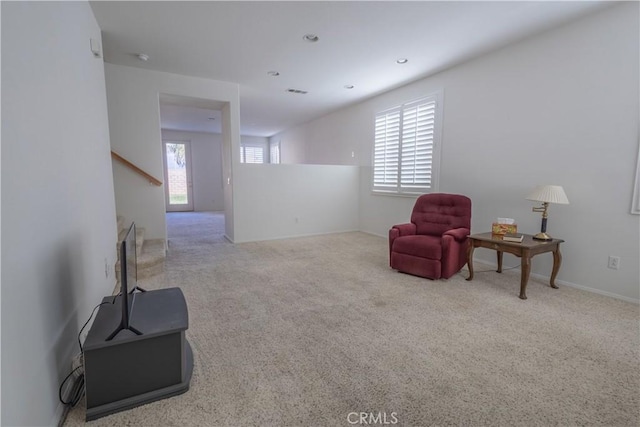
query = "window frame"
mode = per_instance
[
  {"x": 399, "y": 189},
  {"x": 243, "y": 154},
  {"x": 635, "y": 200},
  {"x": 274, "y": 145}
]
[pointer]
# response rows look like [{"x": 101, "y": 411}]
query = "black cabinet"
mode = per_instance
[{"x": 131, "y": 370}]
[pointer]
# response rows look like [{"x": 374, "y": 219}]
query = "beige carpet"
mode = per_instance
[{"x": 302, "y": 332}]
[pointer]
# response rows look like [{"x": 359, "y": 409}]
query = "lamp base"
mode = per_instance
[{"x": 542, "y": 236}]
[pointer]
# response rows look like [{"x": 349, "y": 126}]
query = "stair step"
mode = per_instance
[
  {"x": 139, "y": 240},
  {"x": 120, "y": 219},
  {"x": 151, "y": 261},
  {"x": 122, "y": 233},
  {"x": 150, "y": 254}
]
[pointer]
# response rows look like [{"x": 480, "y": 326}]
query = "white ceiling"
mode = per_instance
[
  {"x": 359, "y": 43},
  {"x": 194, "y": 115}
]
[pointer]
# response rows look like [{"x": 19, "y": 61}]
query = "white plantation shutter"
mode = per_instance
[
  {"x": 250, "y": 154},
  {"x": 387, "y": 150},
  {"x": 274, "y": 153},
  {"x": 417, "y": 145},
  {"x": 405, "y": 146}
]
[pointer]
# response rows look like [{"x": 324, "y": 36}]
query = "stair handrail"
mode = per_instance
[{"x": 153, "y": 180}]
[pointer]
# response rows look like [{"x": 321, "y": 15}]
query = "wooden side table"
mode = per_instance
[{"x": 525, "y": 250}]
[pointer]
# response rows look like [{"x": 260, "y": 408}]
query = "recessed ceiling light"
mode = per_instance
[
  {"x": 302, "y": 92},
  {"x": 311, "y": 38},
  {"x": 273, "y": 73},
  {"x": 402, "y": 60},
  {"x": 349, "y": 86},
  {"x": 143, "y": 57}
]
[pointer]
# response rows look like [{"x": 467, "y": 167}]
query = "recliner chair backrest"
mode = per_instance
[{"x": 435, "y": 213}]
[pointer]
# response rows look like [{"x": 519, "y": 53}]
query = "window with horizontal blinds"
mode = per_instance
[
  {"x": 250, "y": 154},
  {"x": 274, "y": 152},
  {"x": 387, "y": 150},
  {"x": 405, "y": 148}
]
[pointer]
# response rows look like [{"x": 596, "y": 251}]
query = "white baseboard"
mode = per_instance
[
  {"x": 564, "y": 283},
  {"x": 295, "y": 236},
  {"x": 495, "y": 265},
  {"x": 373, "y": 234}
]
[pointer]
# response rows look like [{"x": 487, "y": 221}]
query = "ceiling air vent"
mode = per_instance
[{"x": 302, "y": 92}]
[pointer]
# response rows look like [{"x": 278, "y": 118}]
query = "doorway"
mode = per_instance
[
  {"x": 200, "y": 116},
  {"x": 177, "y": 176}
]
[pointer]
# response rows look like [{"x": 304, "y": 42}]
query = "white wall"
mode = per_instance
[
  {"x": 255, "y": 141},
  {"x": 559, "y": 108},
  {"x": 276, "y": 201},
  {"x": 206, "y": 167},
  {"x": 58, "y": 211},
  {"x": 134, "y": 123},
  {"x": 230, "y": 157},
  {"x": 292, "y": 145}
]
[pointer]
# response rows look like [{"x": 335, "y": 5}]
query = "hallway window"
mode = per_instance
[
  {"x": 274, "y": 152},
  {"x": 250, "y": 154}
]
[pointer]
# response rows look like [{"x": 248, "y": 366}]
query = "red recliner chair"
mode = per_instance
[{"x": 434, "y": 244}]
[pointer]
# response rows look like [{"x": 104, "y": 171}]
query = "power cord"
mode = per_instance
[
  {"x": 89, "y": 319},
  {"x": 77, "y": 387},
  {"x": 75, "y": 391}
]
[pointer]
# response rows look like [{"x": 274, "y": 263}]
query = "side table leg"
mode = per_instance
[
  {"x": 524, "y": 275},
  {"x": 557, "y": 261},
  {"x": 470, "y": 260},
  {"x": 499, "y": 270}
]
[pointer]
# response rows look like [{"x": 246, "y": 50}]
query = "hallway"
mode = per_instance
[{"x": 195, "y": 227}]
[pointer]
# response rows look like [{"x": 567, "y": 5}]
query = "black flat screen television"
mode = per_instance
[{"x": 128, "y": 281}]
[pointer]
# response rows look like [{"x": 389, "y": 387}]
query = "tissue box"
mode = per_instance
[{"x": 502, "y": 229}]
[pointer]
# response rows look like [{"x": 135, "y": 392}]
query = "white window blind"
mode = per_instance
[
  {"x": 250, "y": 154},
  {"x": 405, "y": 146},
  {"x": 274, "y": 153}
]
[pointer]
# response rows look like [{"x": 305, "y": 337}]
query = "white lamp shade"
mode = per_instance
[{"x": 549, "y": 194}]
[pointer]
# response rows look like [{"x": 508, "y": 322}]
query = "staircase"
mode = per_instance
[{"x": 150, "y": 254}]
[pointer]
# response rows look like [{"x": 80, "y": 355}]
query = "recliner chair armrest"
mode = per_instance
[
  {"x": 459, "y": 234},
  {"x": 404, "y": 229},
  {"x": 398, "y": 231}
]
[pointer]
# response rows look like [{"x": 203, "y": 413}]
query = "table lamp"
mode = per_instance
[{"x": 546, "y": 194}]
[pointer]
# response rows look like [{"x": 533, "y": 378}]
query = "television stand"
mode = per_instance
[{"x": 132, "y": 370}]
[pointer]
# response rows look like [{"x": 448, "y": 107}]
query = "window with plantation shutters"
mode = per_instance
[
  {"x": 249, "y": 154},
  {"x": 274, "y": 152},
  {"x": 387, "y": 150},
  {"x": 406, "y": 145}
]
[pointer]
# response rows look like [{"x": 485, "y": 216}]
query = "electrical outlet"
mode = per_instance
[{"x": 614, "y": 262}]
